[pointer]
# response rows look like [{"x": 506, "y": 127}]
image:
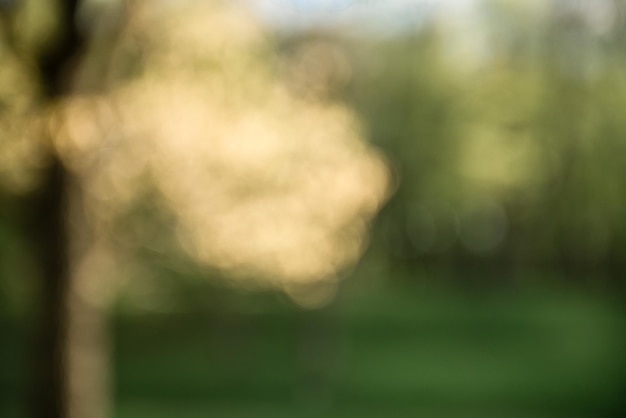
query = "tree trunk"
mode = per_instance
[
  {"x": 72, "y": 350},
  {"x": 52, "y": 253},
  {"x": 72, "y": 347}
]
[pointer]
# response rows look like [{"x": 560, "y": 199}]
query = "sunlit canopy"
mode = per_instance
[{"x": 262, "y": 183}]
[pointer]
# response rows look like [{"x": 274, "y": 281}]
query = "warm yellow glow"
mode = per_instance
[
  {"x": 22, "y": 150},
  {"x": 262, "y": 183},
  {"x": 316, "y": 68}
]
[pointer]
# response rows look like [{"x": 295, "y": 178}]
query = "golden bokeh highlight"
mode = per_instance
[
  {"x": 262, "y": 183},
  {"x": 22, "y": 150}
]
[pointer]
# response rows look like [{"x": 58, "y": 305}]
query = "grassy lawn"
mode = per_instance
[
  {"x": 393, "y": 352},
  {"x": 396, "y": 352}
]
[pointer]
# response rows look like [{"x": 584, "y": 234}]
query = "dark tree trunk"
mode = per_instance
[
  {"x": 52, "y": 247},
  {"x": 70, "y": 376}
]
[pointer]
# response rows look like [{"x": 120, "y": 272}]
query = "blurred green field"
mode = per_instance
[{"x": 394, "y": 352}]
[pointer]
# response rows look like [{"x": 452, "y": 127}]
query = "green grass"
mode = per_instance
[
  {"x": 392, "y": 351},
  {"x": 396, "y": 351}
]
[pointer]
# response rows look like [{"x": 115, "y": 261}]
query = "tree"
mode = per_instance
[{"x": 175, "y": 101}]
